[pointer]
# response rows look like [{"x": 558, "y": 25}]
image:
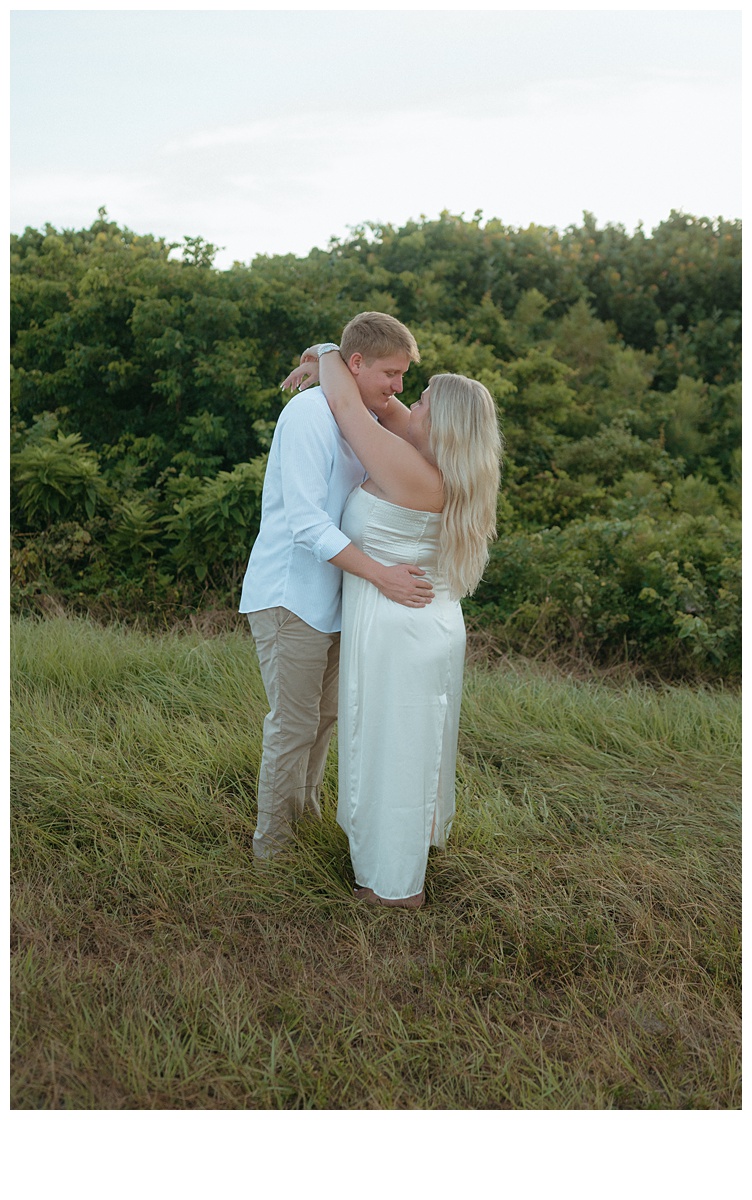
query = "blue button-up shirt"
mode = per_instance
[{"x": 309, "y": 475}]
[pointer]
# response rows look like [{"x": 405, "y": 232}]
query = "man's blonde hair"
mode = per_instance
[
  {"x": 377, "y": 335},
  {"x": 467, "y": 444}
]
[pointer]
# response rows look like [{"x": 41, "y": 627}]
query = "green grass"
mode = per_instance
[{"x": 580, "y": 948}]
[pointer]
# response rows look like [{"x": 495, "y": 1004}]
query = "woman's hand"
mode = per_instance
[{"x": 307, "y": 374}]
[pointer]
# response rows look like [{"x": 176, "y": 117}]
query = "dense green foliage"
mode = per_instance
[
  {"x": 145, "y": 388},
  {"x": 580, "y": 947}
]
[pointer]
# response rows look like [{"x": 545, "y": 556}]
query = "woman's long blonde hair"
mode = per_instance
[{"x": 466, "y": 442}]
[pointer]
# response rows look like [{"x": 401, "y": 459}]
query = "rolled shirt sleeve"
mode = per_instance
[
  {"x": 306, "y": 461},
  {"x": 310, "y": 472}
]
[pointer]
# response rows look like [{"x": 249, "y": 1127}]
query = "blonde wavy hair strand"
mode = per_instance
[{"x": 467, "y": 444}]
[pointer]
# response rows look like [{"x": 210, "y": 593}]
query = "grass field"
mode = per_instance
[{"x": 580, "y": 948}]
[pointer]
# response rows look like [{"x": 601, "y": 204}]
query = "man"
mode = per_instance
[{"x": 292, "y": 587}]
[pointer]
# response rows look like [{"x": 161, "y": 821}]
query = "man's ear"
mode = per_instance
[{"x": 354, "y": 363}]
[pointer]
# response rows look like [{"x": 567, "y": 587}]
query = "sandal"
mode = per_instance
[{"x": 370, "y": 897}]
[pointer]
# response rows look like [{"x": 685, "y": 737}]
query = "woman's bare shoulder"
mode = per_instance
[{"x": 419, "y": 491}]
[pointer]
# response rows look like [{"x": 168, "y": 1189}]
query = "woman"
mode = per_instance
[{"x": 429, "y": 499}]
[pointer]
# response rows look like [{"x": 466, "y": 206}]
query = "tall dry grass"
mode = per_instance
[{"x": 580, "y": 948}]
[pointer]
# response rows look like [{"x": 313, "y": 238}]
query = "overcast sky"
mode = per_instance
[{"x": 269, "y": 131}]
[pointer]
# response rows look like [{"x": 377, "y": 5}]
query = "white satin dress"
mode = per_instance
[{"x": 400, "y": 687}]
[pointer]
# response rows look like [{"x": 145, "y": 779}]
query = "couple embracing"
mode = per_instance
[{"x": 375, "y": 520}]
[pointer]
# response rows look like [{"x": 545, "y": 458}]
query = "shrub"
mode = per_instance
[
  {"x": 56, "y": 479},
  {"x": 135, "y": 535},
  {"x": 211, "y": 531},
  {"x": 668, "y": 592}
]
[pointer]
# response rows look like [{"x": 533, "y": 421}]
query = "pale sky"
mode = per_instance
[{"x": 271, "y": 131}]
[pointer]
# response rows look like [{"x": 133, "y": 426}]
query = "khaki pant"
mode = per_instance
[{"x": 299, "y": 668}]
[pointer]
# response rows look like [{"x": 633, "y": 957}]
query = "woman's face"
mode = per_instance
[{"x": 420, "y": 420}]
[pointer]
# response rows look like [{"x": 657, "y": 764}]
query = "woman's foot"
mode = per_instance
[{"x": 370, "y": 897}]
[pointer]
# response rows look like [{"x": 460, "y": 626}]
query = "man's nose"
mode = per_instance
[{"x": 397, "y": 385}]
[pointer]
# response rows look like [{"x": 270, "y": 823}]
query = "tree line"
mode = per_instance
[{"x": 145, "y": 390}]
